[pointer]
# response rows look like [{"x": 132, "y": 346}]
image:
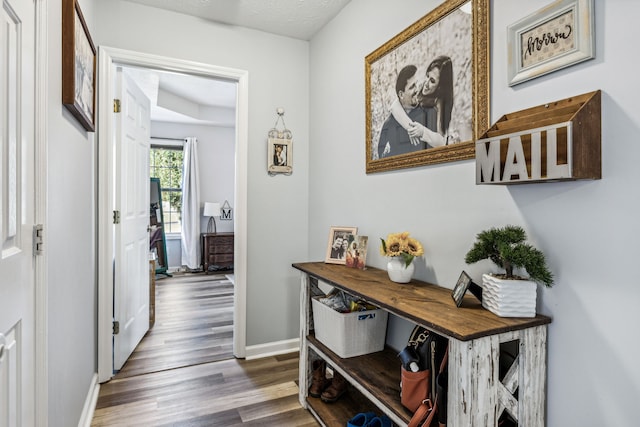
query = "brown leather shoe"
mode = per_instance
[
  {"x": 319, "y": 380},
  {"x": 337, "y": 388}
]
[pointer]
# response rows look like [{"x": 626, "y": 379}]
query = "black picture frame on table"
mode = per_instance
[{"x": 465, "y": 283}]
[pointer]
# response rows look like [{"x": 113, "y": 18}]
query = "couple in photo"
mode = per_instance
[{"x": 419, "y": 118}]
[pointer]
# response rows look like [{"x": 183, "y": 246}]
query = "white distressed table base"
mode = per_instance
[{"x": 477, "y": 397}]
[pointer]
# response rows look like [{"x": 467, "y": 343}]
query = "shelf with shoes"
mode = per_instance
[
  {"x": 373, "y": 385},
  {"x": 478, "y": 392}
]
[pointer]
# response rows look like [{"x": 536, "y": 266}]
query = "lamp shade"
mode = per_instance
[{"x": 211, "y": 209}]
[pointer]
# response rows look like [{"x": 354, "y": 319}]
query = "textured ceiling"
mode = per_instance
[
  {"x": 299, "y": 19},
  {"x": 189, "y": 99}
]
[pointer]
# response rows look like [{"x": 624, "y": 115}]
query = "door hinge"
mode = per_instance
[
  {"x": 38, "y": 239},
  {"x": 116, "y": 217},
  {"x": 116, "y": 105},
  {"x": 116, "y": 327}
]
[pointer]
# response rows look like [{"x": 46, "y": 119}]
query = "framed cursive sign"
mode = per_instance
[{"x": 555, "y": 37}]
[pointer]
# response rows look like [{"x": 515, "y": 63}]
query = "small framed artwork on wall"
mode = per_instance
[
  {"x": 280, "y": 156},
  {"x": 78, "y": 66},
  {"x": 557, "y": 36}
]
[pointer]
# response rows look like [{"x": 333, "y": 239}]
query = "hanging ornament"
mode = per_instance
[{"x": 280, "y": 148}]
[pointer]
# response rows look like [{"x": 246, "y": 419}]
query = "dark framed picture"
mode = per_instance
[
  {"x": 78, "y": 66},
  {"x": 557, "y": 36},
  {"x": 427, "y": 89},
  {"x": 339, "y": 238},
  {"x": 464, "y": 281}
]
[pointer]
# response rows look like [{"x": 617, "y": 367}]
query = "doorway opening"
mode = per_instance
[{"x": 109, "y": 59}]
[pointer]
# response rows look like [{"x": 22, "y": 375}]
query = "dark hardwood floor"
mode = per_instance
[
  {"x": 183, "y": 372},
  {"x": 194, "y": 324}
]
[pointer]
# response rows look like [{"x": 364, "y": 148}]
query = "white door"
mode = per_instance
[
  {"x": 17, "y": 293},
  {"x": 131, "y": 275}
]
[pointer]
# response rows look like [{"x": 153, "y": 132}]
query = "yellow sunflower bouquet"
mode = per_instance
[{"x": 401, "y": 245}]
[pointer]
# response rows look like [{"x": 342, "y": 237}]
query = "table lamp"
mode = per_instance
[{"x": 211, "y": 210}]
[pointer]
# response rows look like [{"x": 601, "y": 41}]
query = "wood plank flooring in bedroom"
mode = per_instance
[{"x": 183, "y": 372}]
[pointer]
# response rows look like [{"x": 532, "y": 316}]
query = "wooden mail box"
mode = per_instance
[{"x": 557, "y": 141}]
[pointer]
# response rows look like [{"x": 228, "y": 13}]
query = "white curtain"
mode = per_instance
[{"x": 190, "y": 205}]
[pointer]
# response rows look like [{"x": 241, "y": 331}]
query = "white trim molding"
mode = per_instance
[
  {"x": 272, "y": 348},
  {"x": 107, "y": 57},
  {"x": 90, "y": 403},
  {"x": 40, "y": 215}
]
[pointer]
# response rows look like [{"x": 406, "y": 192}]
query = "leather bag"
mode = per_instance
[
  {"x": 416, "y": 387},
  {"x": 422, "y": 391},
  {"x": 434, "y": 410}
]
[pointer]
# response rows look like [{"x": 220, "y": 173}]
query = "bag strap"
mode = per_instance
[
  {"x": 423, "y": 415},
  {"x": 445, "y": 360},
  {"x": 426, "y": 412}
]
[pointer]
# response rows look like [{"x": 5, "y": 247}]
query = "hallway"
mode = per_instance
[
  {"x": 194, "y": 324},
  {"x": 183, "y": 372}
]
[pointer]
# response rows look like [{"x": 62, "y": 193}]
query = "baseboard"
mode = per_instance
[
  {"x": 90, "y": 403},
  {"x": 272, "y": 348}
]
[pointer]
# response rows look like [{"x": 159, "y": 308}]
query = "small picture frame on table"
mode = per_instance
[
  {"x": 464, "y": 281},
  {"x": 339, "y": 238},
  {"x": 463, "y": 285},
  {"x": 357, "y": 252}
]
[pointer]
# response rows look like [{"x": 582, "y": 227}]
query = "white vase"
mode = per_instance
[
  {"x": 509, "y": 298},
  {"x": 398, "y": 271}
]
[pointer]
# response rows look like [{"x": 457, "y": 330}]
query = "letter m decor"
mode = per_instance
[{"x": 559, "y": 141}]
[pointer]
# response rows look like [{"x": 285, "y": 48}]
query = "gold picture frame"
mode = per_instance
[
  {"x": 78, "y": 66},
  {"x": 457, "y": 30}
]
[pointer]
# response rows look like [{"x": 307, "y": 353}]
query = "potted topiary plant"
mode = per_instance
[{"x": 509, "y": 295}]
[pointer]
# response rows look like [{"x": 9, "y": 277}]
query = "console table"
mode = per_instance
[
  {"x": 478, "y": 393},
  {"x": 217, "y": 251}
]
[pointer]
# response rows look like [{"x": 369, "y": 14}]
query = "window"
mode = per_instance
[{"x": 166, "y": 163}]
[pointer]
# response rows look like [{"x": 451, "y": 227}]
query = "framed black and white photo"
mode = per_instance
[
  {"x": 339, "y": 238},
  {"x": 554, "y": 37},
  {"x": 427, "y": 89},
  {"x": 78, "y": 66}
]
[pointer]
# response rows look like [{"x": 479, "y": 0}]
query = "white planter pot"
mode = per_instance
[
  {"x": 398, "y": 271},
  {"x": 509, "y": 298}
]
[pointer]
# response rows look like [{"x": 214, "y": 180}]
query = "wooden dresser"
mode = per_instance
[{"x": 217, "y": 251}]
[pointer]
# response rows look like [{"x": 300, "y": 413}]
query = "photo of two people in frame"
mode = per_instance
[{"x": 421, "y": 91}]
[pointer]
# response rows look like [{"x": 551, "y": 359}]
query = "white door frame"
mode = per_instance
[
  {"x": 107, "y": 57},
  {"x": 41, "y": 100}
]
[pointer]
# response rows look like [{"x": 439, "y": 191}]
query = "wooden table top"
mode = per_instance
[{"x": 423, "y": 303}]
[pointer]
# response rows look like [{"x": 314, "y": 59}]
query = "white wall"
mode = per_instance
[
  {"x": 587, "y": 229},
  {"x": 216, "y": 167},
  {"x": 278, "y": 70},
  {"x": 70, "y": 242}
]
